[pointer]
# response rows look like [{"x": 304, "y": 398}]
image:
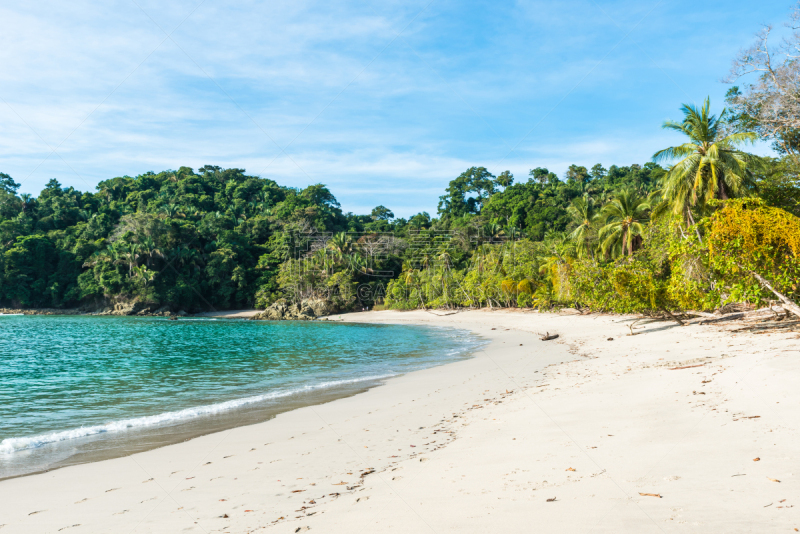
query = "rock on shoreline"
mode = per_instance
[
  {"x": 124, "y": 308},
  {"x": 307, "y": 310}
]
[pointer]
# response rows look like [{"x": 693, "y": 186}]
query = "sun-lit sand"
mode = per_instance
[{"x": 675, "y": 429}]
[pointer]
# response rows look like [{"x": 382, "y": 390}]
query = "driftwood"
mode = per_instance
[
  {"x": 728, "y": 317},
  {"x": 674, "y": 318},
  {"x": 547, "y": 336},
  {"x": 715, "y": 318},
  {"x": 787, "y": 303},
  {"x": 702, "y": 314}
]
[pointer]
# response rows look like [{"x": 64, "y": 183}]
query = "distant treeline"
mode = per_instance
[{"x": 703, "y": 225}]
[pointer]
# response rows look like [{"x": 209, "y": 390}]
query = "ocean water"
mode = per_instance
[{"x": 77, "y": 389}]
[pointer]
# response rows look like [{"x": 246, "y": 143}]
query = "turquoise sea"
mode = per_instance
[{"x": 76, "y": 389}]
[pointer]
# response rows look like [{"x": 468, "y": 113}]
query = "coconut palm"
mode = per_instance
[
  {"x": 130, "y": 253},
  {"x": 623, "y": 217},
  {"x": 150, "y": 249},
  {"x": 710, "y": 164},
  {"x": 494, "y": 231},
  {"x": 171, "y": 210},
  {"x": 583, "y": 211},
  {"x": 341, "y": 244}
]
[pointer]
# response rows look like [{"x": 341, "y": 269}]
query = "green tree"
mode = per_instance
[
  {"x": 583, "y": 212},
  {"x": 382, "y": 213},
  {"x": 467, "y": 193},
  {"x": 7, "y": 184},
  {"x": 505, "y": 179},
  {"x": 577, "y": 173},
  {"x": 624, "y": 217},
  {"x": 710, "y": 164}
]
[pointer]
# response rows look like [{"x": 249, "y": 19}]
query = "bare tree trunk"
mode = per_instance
[{"x": 787, "y": 303}]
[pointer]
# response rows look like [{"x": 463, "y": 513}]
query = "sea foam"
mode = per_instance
[{"x": 11, "y": 445}]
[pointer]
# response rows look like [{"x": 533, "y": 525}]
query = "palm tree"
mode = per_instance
[
  {"x": 494, "y": 231},
  {"x": 149, "y": 248},
  {"x": 131, "y": 255},
  {"x": 341, "y": 244},
  {"x": 711, "y": 165},
  {"x": 582, "y": 209},
  {"x": 623, "y": 217},
  {"x": 171, "y": 210},
  {"x": 28, "y": 202}
]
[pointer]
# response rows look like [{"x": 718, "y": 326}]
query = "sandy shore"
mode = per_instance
[
  {"x": 675, "y": 429},
  {"x": 230, "y": 314}
]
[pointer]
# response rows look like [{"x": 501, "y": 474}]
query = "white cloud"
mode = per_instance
[{"x": 365, "y": 112}]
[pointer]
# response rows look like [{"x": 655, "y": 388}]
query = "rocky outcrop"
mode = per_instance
[
  {"x": 39, "y": 311},
  {"x": 138, "y": 308},
  {"x": 307, "y": 310}
]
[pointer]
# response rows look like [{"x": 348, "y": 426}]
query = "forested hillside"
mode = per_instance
[
  {"x": 215, "y": 237},
  {"x": 194, "y": 240},
  {"x": 703, "y": 225},
  {"x": 219, "y": 239}
]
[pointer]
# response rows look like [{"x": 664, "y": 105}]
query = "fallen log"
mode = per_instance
[
  {"x": 547, "y": 336},
  {"x": 787, "y": 303},
  {"x": 728, "y": 317},
  {"x": 701, "y": 314}
]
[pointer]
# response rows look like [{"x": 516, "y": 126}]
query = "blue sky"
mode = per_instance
[{"x": 383, "y": 102}]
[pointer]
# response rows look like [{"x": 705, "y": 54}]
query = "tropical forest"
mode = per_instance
[{"x": 704, "y": 225}]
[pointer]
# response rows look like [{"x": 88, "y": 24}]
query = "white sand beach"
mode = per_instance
[{"x": 674, "y": 429}]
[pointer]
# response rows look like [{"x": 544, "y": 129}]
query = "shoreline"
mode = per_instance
[
  {"x": 112, "y": 437},
  {"x": 481, "y": 444},
  {"x": 153, "y": 438},
  {"x": 224, "y": 314}
]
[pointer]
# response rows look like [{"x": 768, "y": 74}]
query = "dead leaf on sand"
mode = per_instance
[
  {"x": 650, "y": 494},
  {"x": 773, "y": 479},
  {"x": 551, "y": 500},
  {"x": 757, "y": 459},
  {"x": 340, "y": 484},
  {"x": 570, "y": 469},
  {"x": 297, "y": 491}
]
